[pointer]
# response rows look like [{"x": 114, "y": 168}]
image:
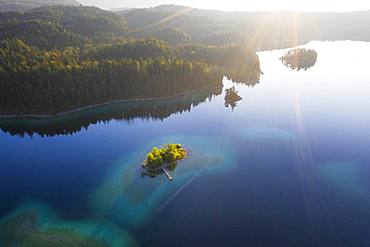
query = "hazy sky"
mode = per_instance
[{"x": 243, "y": 5}]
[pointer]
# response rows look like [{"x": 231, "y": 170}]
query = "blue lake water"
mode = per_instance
[{"x": 289, "y": 166}]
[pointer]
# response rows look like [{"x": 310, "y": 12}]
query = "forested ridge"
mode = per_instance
[
  {"x": 259, "y": 30},
  {"x": 60, "y": 58},
  {"x": 61, "y": 26},
  {"x": 23, "y": 5}
]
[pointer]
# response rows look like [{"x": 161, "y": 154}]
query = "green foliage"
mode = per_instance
[
  {"x": 61, "y": 26},
  {"x": 167, "y": 155},
  {"x": 235, "y": 61},
  {"x": 131, "y": 48},
  {"x": 171, "y": 35},
  {"x": 38, "y": 81},
  {"x": 223, "y": 55},
  {"x": 22, "y": 5},
  {"x": 56, "y": 59}
]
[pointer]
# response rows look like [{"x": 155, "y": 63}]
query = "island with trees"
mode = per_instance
[
  {"x": 299, "y": 59},
  {"x": 232, "y": 97},
  {"x": 160, "y": 159}
]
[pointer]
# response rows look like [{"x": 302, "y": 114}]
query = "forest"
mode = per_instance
[
  {"x": 48, "y": 82},
  {"x": 259, "y": 30},
  {"x": 23, "y": 5},
  {"x": 61, "y": 58},
  {"x": 86, "y": 57},
  {"x": 61, "y": 26}
]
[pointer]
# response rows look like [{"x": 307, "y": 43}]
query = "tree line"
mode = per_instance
[
  {"x": 61, "y": 26},
  {"x": 234, "y": 60},
  {"x": 56, "y": 59},
  {"x": 48, "y": 82}
]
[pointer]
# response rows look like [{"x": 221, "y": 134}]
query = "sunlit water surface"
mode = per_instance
[{"x": 289, "y": 166}]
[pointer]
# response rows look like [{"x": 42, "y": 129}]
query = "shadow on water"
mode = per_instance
[
  {"x": 75, "y": 122},
  {"x": 156, "y": 109}
]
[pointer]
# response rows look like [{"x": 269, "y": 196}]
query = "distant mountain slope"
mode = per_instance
[
  {"x": 22, "y": 5},
  {"x": 260, "y": 30},
  {"x": 60, "y": 26}
]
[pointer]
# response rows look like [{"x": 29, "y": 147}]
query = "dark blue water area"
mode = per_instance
[
  {"x": 277, "y": 199},
  {"x": 64, "y": 170},
  {"x": 289, "y": 166},
  {"x": 52, "y": 170}
]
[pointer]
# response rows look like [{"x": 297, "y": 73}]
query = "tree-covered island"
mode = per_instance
[
  {"x": 232, "y": 97},
  {"x": 298, "y": 59},
  {"x": 163, "y": 158}
]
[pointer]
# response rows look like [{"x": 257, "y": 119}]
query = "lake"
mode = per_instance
[{"x": 288, "y": 166}]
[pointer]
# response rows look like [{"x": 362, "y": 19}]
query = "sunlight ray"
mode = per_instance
[{"x": 164, "y": 20}]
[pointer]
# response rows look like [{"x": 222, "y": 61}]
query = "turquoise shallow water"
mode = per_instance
[
  {"x": 48, "y": 219},
  {"x": 287, "y": 167},
  {"x": 130, "y": 199}
]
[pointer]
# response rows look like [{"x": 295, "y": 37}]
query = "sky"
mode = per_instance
[{"x": 242, "y": 5}]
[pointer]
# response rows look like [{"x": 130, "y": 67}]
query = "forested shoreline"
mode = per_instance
[
  {"x": 47, "y": 74},
  {"x": 42, "y": 82}
]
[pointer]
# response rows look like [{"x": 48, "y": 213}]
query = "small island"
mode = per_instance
[
  {"x": 159, "y": 160},
  {"x": 299, "y": 59},
  {"x": 232, "y": 97}
]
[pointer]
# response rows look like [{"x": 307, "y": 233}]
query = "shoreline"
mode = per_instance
[{"x": 62, "y": 114}]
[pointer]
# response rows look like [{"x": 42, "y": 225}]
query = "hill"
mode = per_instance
[
  {"x": 260, "y": 30},
  {"x": 60, "y": 26},
  {"x": 23, "y": 5}
]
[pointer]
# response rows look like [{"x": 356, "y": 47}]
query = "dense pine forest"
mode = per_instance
[
  {"x": 23, "y": 5},
  {"x": 60, "y": 58}
]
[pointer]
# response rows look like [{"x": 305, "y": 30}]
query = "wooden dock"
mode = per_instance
[{"x": 167, "y": 174}]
